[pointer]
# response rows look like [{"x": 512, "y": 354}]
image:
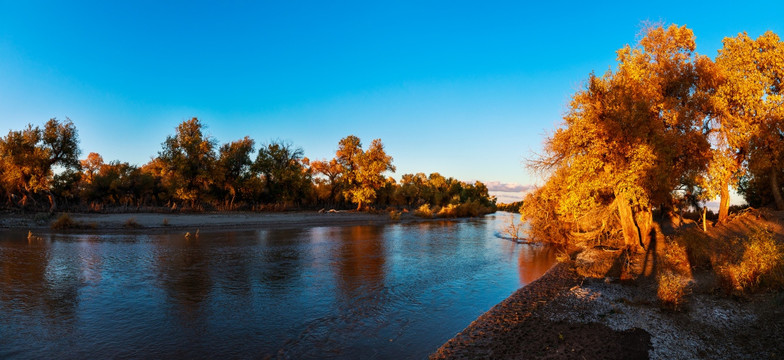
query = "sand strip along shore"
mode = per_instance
[
  {"x": 160, "y": 222},
  {"x": 564, "y": 316}
]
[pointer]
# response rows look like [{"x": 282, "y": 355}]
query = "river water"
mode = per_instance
[{"x": 394, "y": 291}]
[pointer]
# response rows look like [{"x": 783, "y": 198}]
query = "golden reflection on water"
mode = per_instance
[
  {"x": 533, "y": 262},
  {"x": 362, "y": 266},
  {"x": 333, "y": 290}
]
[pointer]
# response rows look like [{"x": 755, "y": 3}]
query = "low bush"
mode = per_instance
[
  {"x": 449, "y": 211},
  {"x": 672, "y": 289},
  {"x": 424, "y": 211},
  {"x": 674, "y": 258},
  {"x": 394, "y": 215},
  {"x": 748, "y": 265},
  {"x": 132, "y": 224},
  {"x": 64, "y": 222}
]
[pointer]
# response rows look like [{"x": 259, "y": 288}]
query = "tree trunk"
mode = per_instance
[
  {"x": 704, "y": 222},
  {"x": 630, "y": 231},
  {"x": 724, "y": 203},
  {"x": 52, "y": 202},
  {"x": 774, "y": 188},
  {"x": 644, "y": 221}
]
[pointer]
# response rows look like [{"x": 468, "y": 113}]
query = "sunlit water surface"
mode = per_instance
[{"x": 395, "y": 291}]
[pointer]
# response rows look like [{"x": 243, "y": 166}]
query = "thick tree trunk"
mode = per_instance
[
  {"x": 774, "y": 188},
  {"x": 630, "y": 233},
  {"x": 724, "y": 202}
]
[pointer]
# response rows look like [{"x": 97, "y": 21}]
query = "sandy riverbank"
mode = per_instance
[
  {"x": 565, "y": 316},
  {"x": 207, "y": 221}
]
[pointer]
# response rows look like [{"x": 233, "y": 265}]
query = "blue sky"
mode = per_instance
[{"x": 467, "y": 89}]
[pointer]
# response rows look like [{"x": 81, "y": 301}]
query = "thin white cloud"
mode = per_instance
[
  {"x": 508, "y": 187},
  {"x": 508, "y": 192}
]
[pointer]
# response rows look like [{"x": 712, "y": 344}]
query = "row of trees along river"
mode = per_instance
[
  {"x": 666, "y": 128},
  {"x": 191, "y": 172}
]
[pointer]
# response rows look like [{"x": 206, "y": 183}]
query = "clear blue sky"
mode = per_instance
[{"x": 467, "y": 89}]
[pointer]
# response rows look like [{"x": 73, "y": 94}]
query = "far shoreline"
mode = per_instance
[{"x": 154, "y": 222}]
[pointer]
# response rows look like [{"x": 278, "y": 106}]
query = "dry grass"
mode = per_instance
[
  {"x": 424, "y": 211},
  {"x": 132, "y": 224},
  {"x": 468, "y": 209},
  {"x": 449, "y": 211},
  {"x": 394, "y": 215},
  {"x": 64, "y": 222},
  {"x": 752, "y": 264},
  {"x": 699, "y": 247},
  {"x": 673, "y": 257},
  {"x": 672, "y": 289}
]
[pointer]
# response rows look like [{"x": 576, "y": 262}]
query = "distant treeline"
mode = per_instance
[
  {"x": 666, "y": 131},
  {"x": 193, "y": 173},
  {"x": 510, "y": 207}
]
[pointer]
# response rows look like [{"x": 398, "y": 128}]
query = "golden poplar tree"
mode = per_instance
[
  {"x": 627, "y": 140},
  {"x": 750, "y": 107}
]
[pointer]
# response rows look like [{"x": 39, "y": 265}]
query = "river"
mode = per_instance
[{"x": 393, "y": 291}]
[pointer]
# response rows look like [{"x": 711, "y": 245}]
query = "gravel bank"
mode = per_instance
[{"x": 564, "y": 316}]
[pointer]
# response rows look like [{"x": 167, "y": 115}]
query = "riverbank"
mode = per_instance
[
  {"x": 581, "y": 309},
  {"x": 562, "y": 315},
  {"x": 161, "y": 222}
]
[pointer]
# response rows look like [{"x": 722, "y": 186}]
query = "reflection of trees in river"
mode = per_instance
[
  {"x": 229, "y": 267},
  {"x": 534, "y": 261},
  {"x": 40, "y": 276},
  {"x": 361, "y": 259},
  {"x": 281, "y": 258},
  {"x": 183, "y": 270}
]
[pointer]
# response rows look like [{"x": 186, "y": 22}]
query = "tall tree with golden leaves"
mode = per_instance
[
  {"x": 628, "y": 139},
  {"x": 751, "y": 107},
  {"x": 362, "y": 170}
]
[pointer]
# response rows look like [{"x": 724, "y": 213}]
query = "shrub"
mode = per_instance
[
  {"x": 672, "y": 289},
  {"x": 674, "y": 258},
  {"x": 424, "y": 211},
  {"x": 757, "y": 262},
  {"x": 64, "y": 222},
  {"x": 394, "y": 215},
  {"x": 449, "y": 211},
  {"x": 132, "y": 224}
]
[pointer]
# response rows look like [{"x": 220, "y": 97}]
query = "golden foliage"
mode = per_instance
[
  {"x": 745, "y": 265},
  {"x": 627, "y": 140},
  {"x": 672, "y": 289}
]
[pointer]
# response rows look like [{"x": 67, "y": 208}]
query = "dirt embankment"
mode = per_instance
[
  {"x": 163, "y": 222},
  {"x": 566, "y": 315}
]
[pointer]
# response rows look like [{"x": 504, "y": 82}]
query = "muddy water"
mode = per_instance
[{"x": 395, "y": 291}]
